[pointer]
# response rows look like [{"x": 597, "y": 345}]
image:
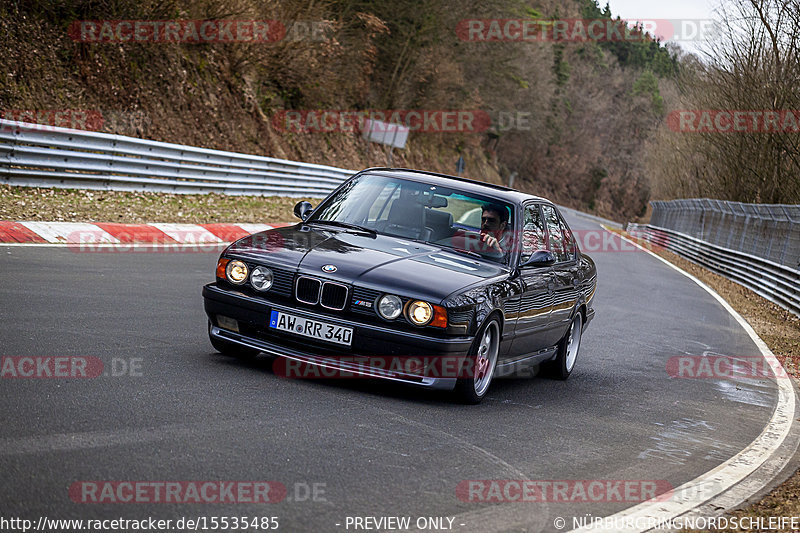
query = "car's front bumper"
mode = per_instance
[{"x": 369, "y": 340}]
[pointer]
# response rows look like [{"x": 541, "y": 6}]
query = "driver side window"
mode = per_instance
[{"x": 532, "y": 232}]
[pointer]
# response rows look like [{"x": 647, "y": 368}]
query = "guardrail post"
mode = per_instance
[
  {"x": 788, "y": 235},
  {"x": 774, "y": 224}
]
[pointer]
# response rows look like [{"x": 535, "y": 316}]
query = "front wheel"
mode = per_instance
[
  {"x": 561, "y": 367},
  {"x": 481, "y": 363}
]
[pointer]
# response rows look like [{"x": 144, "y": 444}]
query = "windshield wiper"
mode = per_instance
[
  {"x": 345, "y": 225},
  {"x": 467, "y": 252}
]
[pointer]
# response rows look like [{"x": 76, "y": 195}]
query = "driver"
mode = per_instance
[{"x": 494, "y": 225}]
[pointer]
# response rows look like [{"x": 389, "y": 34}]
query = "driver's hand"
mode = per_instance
[{"x": 491, "y": 242}]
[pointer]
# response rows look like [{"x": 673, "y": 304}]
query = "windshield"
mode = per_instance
[{"x": 447, "y": 217}]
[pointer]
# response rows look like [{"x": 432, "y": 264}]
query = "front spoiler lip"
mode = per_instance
[{"x": 330, "y": 363}]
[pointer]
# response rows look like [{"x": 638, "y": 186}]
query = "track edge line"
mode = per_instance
[{"x": 724, "y": 478}]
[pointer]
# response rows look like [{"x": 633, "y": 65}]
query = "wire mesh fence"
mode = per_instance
[{"x": 767, "y": 231}]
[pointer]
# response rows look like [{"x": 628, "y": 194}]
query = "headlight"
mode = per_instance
[
  {"x": 261, "y": 278},
  {"x": 390, "y": 306},
  {"x": 419, "y": 313},
  {"x": 236, "y": 272}
]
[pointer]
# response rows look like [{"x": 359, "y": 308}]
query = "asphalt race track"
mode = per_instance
[{"x": 171, "y": 409}]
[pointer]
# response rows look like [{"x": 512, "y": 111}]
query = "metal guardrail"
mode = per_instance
[
  {"x": 769, "y": 231},
  {"x": 34, "y": 155},
  {"x": 777, "y": 283}
]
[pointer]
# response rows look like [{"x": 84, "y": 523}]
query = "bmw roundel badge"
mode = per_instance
[{"x": 329, "y": 268}]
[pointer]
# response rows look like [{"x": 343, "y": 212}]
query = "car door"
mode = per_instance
[
  {"x": 565, "y": 272},
  {"x": 537, "y": 284}
]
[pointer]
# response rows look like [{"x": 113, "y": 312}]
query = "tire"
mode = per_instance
[
  {"x": 564, "y": 363},
  {"x": 481, "y": 364},
  {"x": 230, "y": 349}
]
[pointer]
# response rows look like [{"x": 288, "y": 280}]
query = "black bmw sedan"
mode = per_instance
[{"x": 410, "y": 276}]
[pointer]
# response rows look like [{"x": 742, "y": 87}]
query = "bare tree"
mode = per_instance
[{"x": 755, "y": 68}]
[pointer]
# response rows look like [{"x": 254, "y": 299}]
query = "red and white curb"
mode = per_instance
[{"x": 159, "y": 234}]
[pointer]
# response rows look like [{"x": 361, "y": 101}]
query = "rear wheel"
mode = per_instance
[
  {"x": 230, "y": 349},
  {"x": 481, "y": 364},
  {"x": 561, "y": 367}
]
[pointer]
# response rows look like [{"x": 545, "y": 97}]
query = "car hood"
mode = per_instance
[{"x": 381, "y": 262}]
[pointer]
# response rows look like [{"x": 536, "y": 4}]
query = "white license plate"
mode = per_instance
[{"x": 311, "y": 328}]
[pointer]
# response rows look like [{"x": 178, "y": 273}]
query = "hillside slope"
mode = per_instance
[{"x": 570, "y": 119}]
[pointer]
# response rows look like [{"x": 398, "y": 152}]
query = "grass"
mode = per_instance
[{"x": 72, "y": 205}]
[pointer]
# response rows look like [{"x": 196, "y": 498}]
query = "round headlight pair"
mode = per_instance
[
  {"x": 418, "y": 312},
  {"x": 260, "y": 278}
]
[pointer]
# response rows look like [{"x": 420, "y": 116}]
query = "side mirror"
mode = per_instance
[
  {"x": 302, "y": 210},
  {"x": 438, "y": 202},
  {"x": 540, "y": 258}
]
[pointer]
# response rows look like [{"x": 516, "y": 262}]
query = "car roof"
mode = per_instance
[{"x": 457, "y": 182}]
